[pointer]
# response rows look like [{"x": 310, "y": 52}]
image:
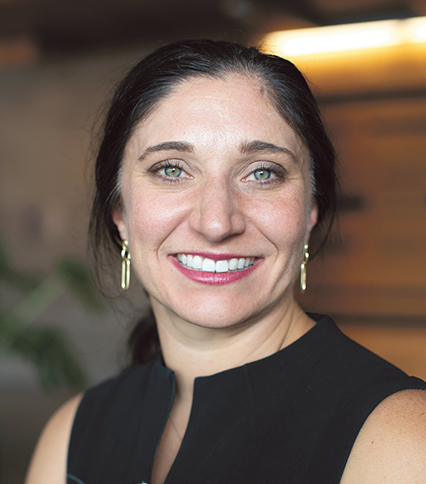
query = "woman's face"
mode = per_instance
[{"x": 216, "y": 203}]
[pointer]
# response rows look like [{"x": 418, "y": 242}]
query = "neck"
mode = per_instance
[{"x": 192, "y": 351}]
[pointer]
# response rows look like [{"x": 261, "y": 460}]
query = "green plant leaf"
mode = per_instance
[
  {"x": 46, "y": 348},
  {"x": 79, "y": 280},
  {"x": 11, "y": 276}
]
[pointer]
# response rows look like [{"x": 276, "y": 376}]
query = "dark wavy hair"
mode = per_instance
[{"x": 155, "y": 77}]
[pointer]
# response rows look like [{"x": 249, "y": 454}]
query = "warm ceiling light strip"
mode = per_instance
[
  {"x": 366, "y": 35},
  {"x": 417, "y": 29}
]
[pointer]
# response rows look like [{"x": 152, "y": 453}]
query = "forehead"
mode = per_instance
[{"x": 205, "y": 110}]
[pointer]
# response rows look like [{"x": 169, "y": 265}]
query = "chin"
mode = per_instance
[
  {"x": 218, "y": 313},
  {"x": 216, "y": 318}
]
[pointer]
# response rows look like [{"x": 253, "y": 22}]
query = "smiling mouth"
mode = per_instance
[{"x": 199, "y": 263}]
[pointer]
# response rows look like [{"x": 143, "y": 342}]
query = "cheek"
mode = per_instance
[
  {"x": 151, "y": 217},
  {"x": 283, "y": 220}
]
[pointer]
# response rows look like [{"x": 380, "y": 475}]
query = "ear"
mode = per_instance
[
  {"x": 313, "y": 216},
  {"x": 120, "y": 221}
]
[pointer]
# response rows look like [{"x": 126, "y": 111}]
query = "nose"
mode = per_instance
[{"x": 217, "y": 212}]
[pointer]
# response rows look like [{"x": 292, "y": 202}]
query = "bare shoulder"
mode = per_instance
[
  {"x": 391, "y": 446},
  {"x": 48, "y": 464}
]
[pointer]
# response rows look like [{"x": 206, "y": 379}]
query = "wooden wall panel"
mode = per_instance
[
  {"x": 403, "y": 347},
  {"x": 379, "y": 265}
]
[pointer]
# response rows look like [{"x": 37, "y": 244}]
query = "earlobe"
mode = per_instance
[{"x": 119, "y": 220}]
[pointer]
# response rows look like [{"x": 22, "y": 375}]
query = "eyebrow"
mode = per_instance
[
  {"x": 168, "y": 146},
  {"x": 248, "y": 147},
  {"x": 257, "y": 146}
]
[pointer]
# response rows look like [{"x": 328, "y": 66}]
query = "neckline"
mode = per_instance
[
  {"x": 322, "y": 323},
  {"x": 230, "y": 387}
]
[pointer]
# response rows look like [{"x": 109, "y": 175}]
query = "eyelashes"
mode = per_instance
[
  {"x": 169, "y": 171},
  {"x": 267, "y": 173},
  {"x": 173, "y": 172}
]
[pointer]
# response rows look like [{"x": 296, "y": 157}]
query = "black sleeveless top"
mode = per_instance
[{"x": 289, "y": 418}]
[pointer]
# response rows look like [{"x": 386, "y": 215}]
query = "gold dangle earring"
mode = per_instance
[
  {"x": 125, "y": 265},
  {"x": 303, "y": 268}
]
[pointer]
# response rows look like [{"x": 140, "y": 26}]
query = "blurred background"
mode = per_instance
[{"x": 58, "y": 63}]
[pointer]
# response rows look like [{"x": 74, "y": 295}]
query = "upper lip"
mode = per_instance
[{"x": 216, "y": 257}]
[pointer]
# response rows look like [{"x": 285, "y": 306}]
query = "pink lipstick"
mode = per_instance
[{"x": 215, "y": 278}]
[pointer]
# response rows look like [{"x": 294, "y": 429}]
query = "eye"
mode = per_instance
[
  {"x": 262, "y": 174},
  {"x": 168, "y": 171},
  {"x": 266, "y": 174},
  {"x": 171, "y": 171}
]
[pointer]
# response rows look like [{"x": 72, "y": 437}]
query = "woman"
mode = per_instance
[{"x": 213, "y": 172}]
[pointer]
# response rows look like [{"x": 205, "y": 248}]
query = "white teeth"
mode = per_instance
[
  {"x": 197, "y": 262},
  {"x": 233, "y": 264},
  {"x": 208, "y": 265},
  {"x": 222, "y": 266}
]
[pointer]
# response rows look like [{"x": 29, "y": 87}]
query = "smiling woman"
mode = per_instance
[
  {"x": 214, "y": 171},
  {"x": 192, "y": 187}
]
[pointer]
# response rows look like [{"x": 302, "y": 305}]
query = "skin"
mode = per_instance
[
  {"x": 216, "y": 205},
  {"x": 216, "y": 189}
]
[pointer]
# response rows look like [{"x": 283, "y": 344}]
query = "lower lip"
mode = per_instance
[{"x": 214, "y": 278}]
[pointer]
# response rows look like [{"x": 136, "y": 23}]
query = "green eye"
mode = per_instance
[
  {"x": 262, "y": 174},
  {"x": 172, "y": 171}
]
